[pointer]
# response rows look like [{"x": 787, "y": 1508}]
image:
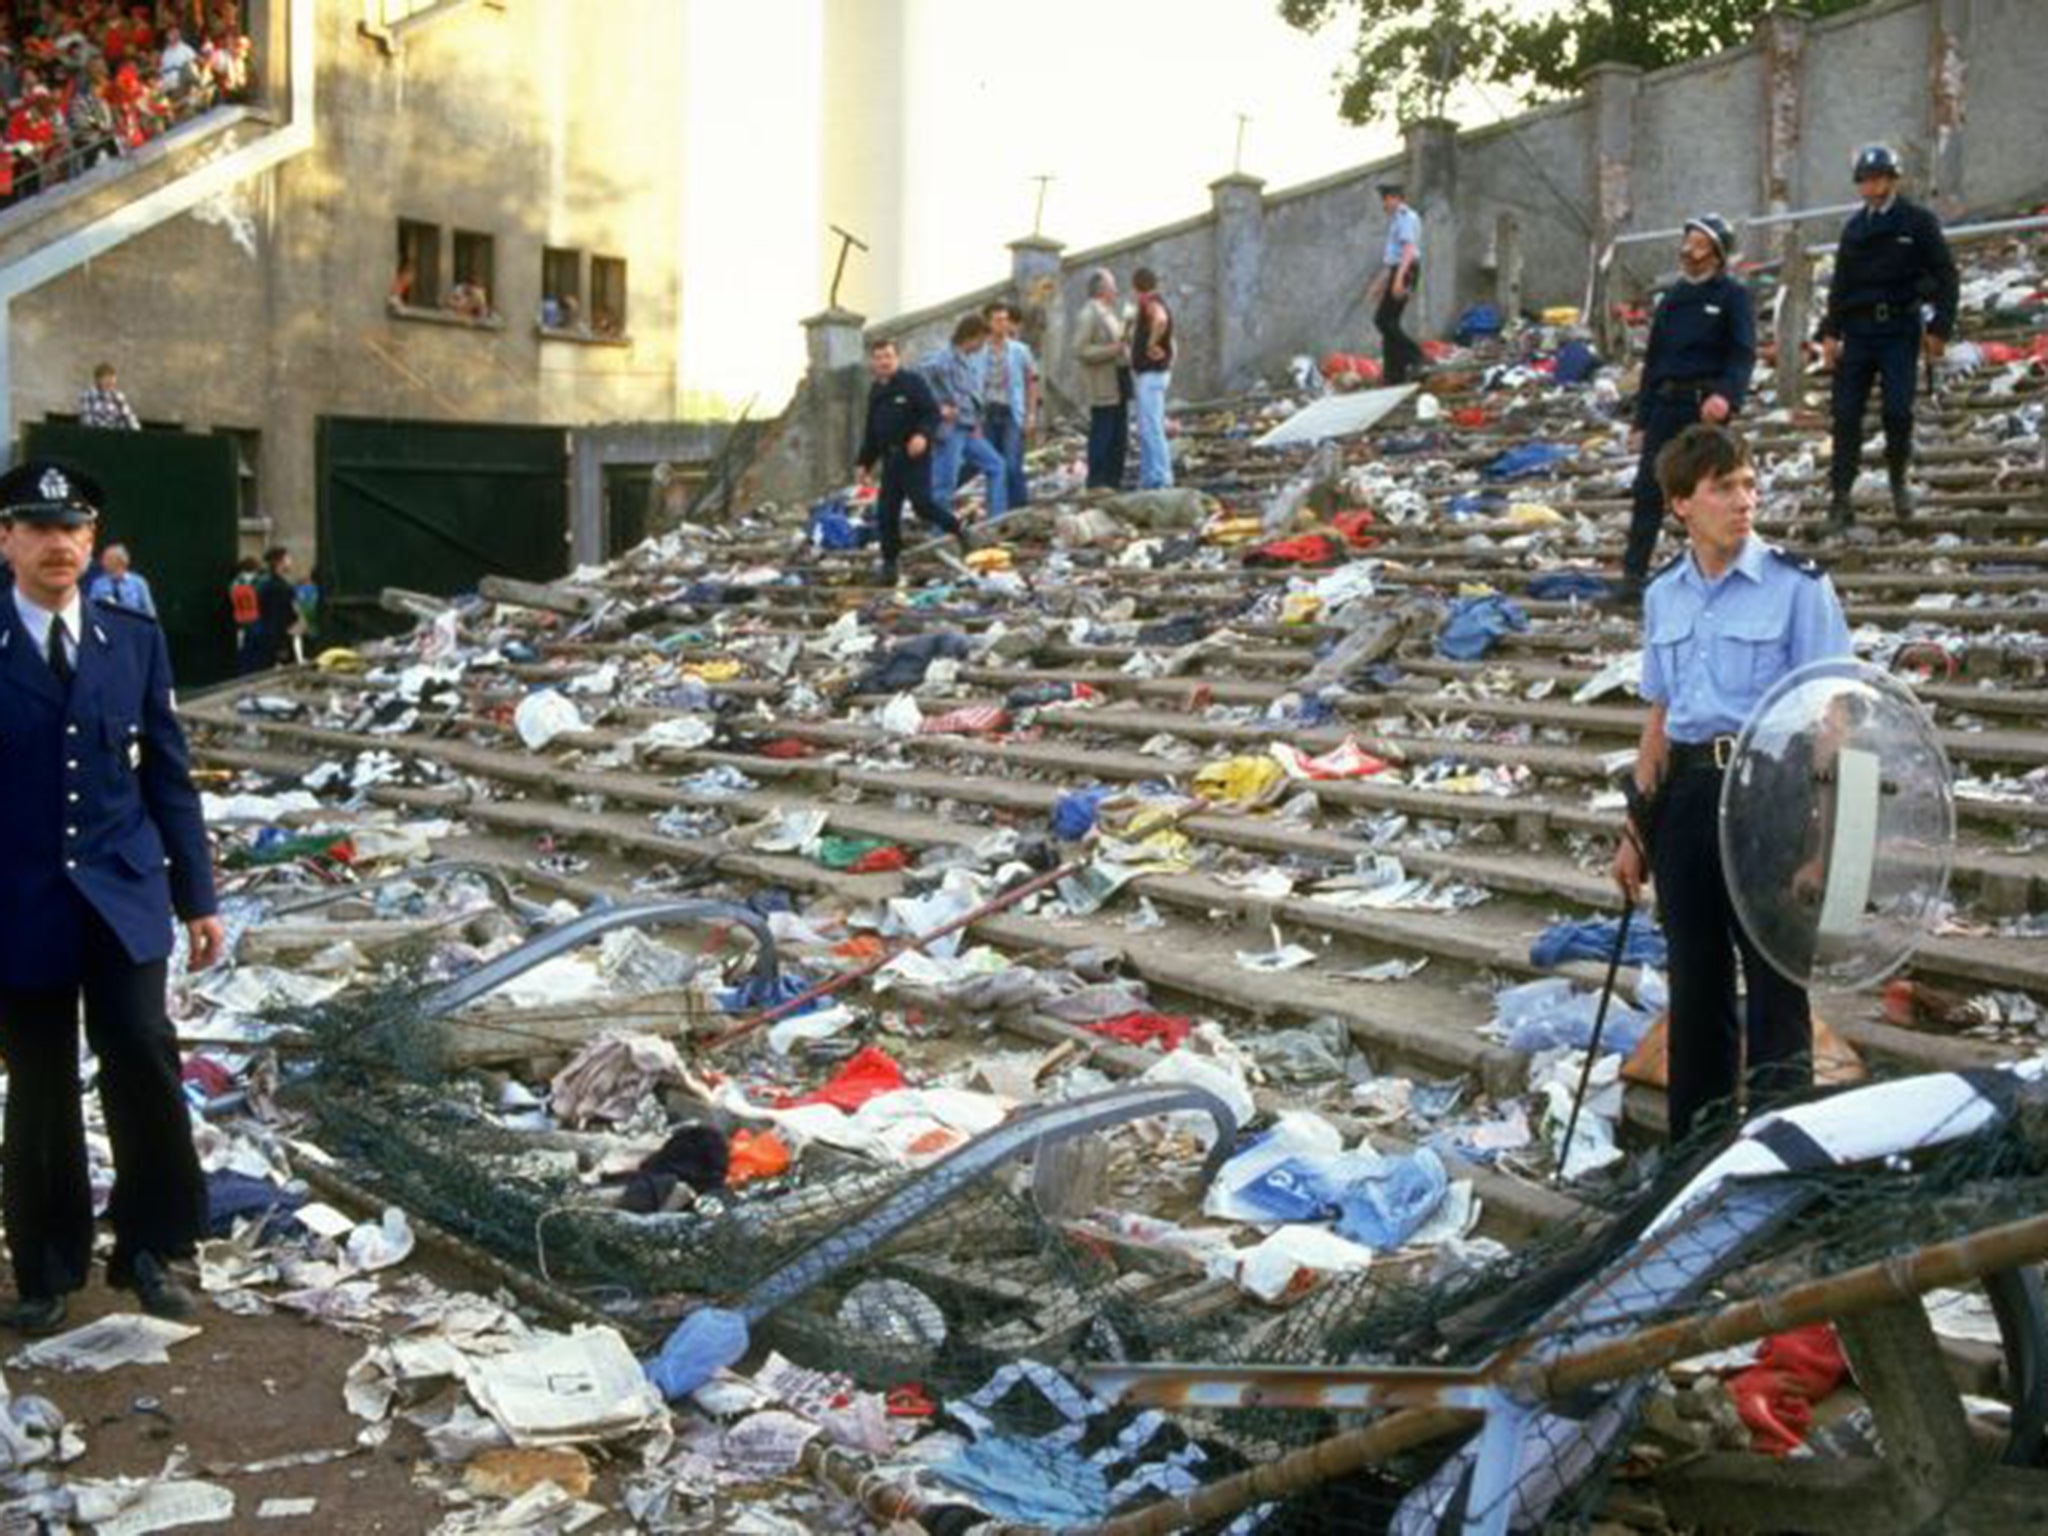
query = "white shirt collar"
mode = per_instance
[{"x": 37, "y": 619}]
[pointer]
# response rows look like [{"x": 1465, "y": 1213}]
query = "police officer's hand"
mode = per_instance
[
  {"x": 1934, "y": 346},
  {"x": 1629, "y": 872},
  {"x": 1831, "y": 350},
  {"x": 206, "y": 941},
  {"x": 1714, "y": 409},
  {"x": 916, "y": 446}
]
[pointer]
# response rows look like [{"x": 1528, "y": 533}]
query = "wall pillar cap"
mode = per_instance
[
  {"x": 1236, "y": 179},
  {"x": 1416, "y": 125},
  {"x": 834, "y": 316},
  {"x": 1611, "y": 69},
  {"x": 1045, "y": 243}
]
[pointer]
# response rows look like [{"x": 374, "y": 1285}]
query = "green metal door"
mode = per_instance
[
  {"x": 434, "y": 507},
  {"x": 629, "y": 491},
  {"x": 171, "y": 498}
]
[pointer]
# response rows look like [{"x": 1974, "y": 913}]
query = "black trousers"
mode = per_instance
[
  {"x": 1893, "y": 358},
  {"x": 1109, "y": 445},
  {"x": 905, "y": 478},
  {"x": 1400, "y": 356},
  {"x": 159, "y": 1202},
  {"x": 1705, "y": 937},
  {"x": 1669, "y": 415}
]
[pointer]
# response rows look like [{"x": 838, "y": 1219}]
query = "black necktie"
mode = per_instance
[{"x": 60, "y": 659}]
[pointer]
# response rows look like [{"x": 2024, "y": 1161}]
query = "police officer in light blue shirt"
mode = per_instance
[
  {"x": 1391, "y": 289},
  {"x": 1722, "y": 623},
  {"x": 102, "y": 844}
]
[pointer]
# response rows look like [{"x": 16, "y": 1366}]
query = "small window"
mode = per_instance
[
  {"x": 416, "y": 281},
  {"x": 608, "y": 295},
  {"x": 561, "y": 289},
  {"x": 475, "y": 289},
  {"x": 248, "y": 468}
]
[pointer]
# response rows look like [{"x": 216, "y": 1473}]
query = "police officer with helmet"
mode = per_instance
[
  {"x": 1892, "y": 261},
  {"x": 1701, "y": 353},
  {"x": 101, "y": 841}
]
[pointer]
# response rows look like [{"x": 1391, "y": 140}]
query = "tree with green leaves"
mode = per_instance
[{"x": 1407, "y": 56}]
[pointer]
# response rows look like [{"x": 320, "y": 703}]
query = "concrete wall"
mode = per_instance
[
  {"x": 2005, "y": 60},
  {"x": 267, "y": 309}
]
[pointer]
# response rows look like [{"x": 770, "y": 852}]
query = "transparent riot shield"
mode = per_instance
[{"x": 1837, "y": 825}]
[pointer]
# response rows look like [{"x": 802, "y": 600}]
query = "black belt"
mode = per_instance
[
  {"x": 1711, "y": 755},
  {"x": 1688, "y": 386},
  {"x": 1884, "y": 312}
]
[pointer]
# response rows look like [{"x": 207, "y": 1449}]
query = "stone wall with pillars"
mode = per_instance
[{"x": 1264, "y": 275}]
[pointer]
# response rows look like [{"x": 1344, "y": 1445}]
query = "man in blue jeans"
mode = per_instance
[
  {"x": 1009, "y": 397},
  {"x": 955, "y": 378},
  {"x": 1151, "y": 370}
]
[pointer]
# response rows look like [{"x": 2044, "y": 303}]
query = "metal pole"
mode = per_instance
[
  {"x": 847, "y": 241},
  {"x": 1038, "y": 210},
  {"x": 1571, "y": 1125},
  {"x": 1237, "y": 154}
]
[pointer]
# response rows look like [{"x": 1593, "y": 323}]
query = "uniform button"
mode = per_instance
[
  {"x": 72, "y": 764},
  {"x": 74, "y": 797},
  {"x": 71, "y": 730},
  {"x": 71, "y": 863},
  {"x": 71, "y": 831}
]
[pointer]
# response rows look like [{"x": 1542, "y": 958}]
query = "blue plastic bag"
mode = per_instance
[
  {"x": 702, "y": 1345},
  {"x": 1384, "y": 1210},
  {"x": 1073, "y": 815}
]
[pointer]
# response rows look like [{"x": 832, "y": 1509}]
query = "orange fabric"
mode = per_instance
[{"x": 755, "y": 1155}]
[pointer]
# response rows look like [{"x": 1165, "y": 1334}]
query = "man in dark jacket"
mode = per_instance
[
  {"x": 903, "y": 419},
  {"x": 1702, "y": 350},
  {"x": 277, "y": 612},
  {"x": 1892, "y": 261},
  {"x": 103, "y": 842}
]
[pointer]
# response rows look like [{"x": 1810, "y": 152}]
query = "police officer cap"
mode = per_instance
[
  {"x": 1716, "y": 229},
  {"x": 1875, "y": 160},
  {"x": 50, "y": 493}
]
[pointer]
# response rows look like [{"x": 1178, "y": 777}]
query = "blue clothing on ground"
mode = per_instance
[
  {"x": 1476, "y": 623},
  {"x": 1559, "y": 586},
  {"x": 1712, "y": 649},
  {"x": 1529, "y": 459},
  {"x": 1592, "y": 938}
]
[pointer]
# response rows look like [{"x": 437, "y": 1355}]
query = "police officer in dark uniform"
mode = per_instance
[
  {"x": 101, "y": 841},
  {"x": 903, "y": 422},
  {"x": 1722, "y": 623},
  {"x": 1892, "y": 261},
  {"x": 1702, "y": 351}
]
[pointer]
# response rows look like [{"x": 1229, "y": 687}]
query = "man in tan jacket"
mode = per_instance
[{"x": 1105, "y": 357}]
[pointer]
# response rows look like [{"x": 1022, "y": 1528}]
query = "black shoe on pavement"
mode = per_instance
[
  {"x": 1840, "y": 513},
  {"x": 161, "y": 1293},
  {"x": 887, "y": 577},
  {"x": 36, "y": 1316}
]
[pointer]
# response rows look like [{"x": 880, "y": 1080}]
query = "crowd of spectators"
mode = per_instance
[{"x": 89, "y": 80}]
